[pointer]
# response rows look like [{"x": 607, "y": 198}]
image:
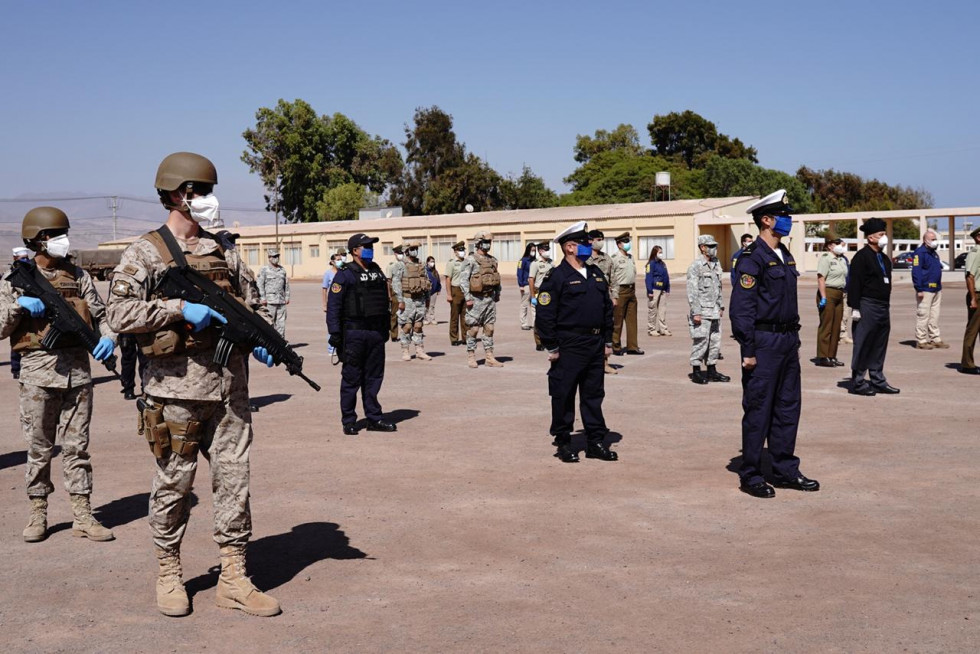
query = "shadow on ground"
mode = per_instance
[
  {"x": 265, "y": 400},
  {"x": 275, "y": 560},
  {"x": 401, "y": 415}
]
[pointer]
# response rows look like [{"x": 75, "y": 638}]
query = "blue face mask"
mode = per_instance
[
  {"x": 367, "y": 254},
  {"x": 783, "y": 226},
  {"x": 583, "y": 251}
]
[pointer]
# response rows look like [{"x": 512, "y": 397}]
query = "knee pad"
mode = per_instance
[
  {"x": 488, "y": 330},
  {"x": 472, "y": 332}
]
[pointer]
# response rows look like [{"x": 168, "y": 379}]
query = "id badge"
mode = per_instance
[{"x": 887, "y": 281}]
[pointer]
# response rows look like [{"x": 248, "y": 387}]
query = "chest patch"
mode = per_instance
[
  {"x": 544, "y": 298},
  {"x": 335, "y": 288},
  {"x": 746, "y": 281}
]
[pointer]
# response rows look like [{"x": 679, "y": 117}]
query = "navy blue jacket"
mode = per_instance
[
  {"x": 765, "y": 292},
  {"x": 434, "y": 280},
  {"x": 568, "y": 301},
  {"x": 927, "y": 270},
  {"x": 524, "y": 271},
  {"x": 735, "y": 257},
  {"x": 658, "y": 279}
]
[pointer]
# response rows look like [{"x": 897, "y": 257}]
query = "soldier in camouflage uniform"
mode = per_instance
[
  {"x": 393, "y": 330},
  {"x": 604, "y": 262},
  {"x": 273, "y": 283},
  {"x": 707, "y": 309},
  {"x": 193, "y": 404},
  {"x": 56, "y": 384},
  {"x": 480, "y": 283},
  {"x": 410, "y": 284}
]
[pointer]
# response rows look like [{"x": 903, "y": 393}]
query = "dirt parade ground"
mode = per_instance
[{"x": 462, "y": 533}]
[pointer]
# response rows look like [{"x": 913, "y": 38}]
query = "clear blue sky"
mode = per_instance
[{"x": 95, "y": 94}]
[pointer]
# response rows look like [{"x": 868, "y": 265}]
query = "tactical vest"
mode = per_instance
[
  {"x": 176, "y": 338},
  {"x": 415, "y": 279},
  {"x": 31, "y": 331},
  {"x": 368, "y": 297},
  {"x": 485, "y": 279}
]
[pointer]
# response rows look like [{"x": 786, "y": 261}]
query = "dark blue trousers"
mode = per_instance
[
  {"x": 364, "y": 370},
  {"x": 771, "y": 401},
  {"x": 871, "y": 342},
  {"x": 579, "y": 368}
]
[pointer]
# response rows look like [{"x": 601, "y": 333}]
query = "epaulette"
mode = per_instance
[{"x": 748, "y": 249}]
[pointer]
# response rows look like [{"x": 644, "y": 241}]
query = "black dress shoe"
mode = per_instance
[
  {"x": 254, "y": 408},
  {"x": 863, "y": 389},
  {"x": 636, "y": 351},
  {"x": 824, "y": 362},
  {"x": 617, "y": 353},
  {"x": 564, "y": 439},
  {"x": 801, "y": 483},
  {"x": 600, "y": 451},
  {"x": 380, "y": 425},
  {"x": 886, "y": 389},
  {"x": 965, "y": 371},
  {"x": 350, "y": 429},
  {"x": 698, "y": 377},
  {"x": 129, "y": 395},
  {"x": 762, "y": 489},
  {"x": 15, "y": 375},
  {"x": 837, "y": 363},
  {"x": 566, "y": 453},
  {"x": 715, "y": 376}
]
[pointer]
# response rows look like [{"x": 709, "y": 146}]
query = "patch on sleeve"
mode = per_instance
[
  {"x": 130, "y": 270},
  {"x": 544, "y": 299},
  {"x": 747, "y": 281},
  {"x": 122, "y": 288},
  {"x": 915, "y": 260},
  {"x": 335, "y": 288}
]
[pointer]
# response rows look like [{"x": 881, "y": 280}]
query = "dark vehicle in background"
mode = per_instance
[
  {"x": 97, "y": 263},
  {"x": 904, "y": 260},
  {"x": 960, "y": 261}
]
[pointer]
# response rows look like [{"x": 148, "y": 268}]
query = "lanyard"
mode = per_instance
[{"x": 881, "y": 263}]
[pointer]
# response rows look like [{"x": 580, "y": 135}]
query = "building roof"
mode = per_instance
[{"x": 493, "y": 218}]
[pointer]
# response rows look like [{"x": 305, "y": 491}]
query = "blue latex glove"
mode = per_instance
[
  {"x": 822, "y": 303},
  {"x": 33, "y": 305},
  {"x": 534, "y": 301},
  {"x": 200, "y": 316},
  {"x": 262, "y": 355},
  {"x": 104, "y": 349}
]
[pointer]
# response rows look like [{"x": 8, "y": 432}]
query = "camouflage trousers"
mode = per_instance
[
  {"x": 62, "y": 414},
  {"x": 278, "y": 313},
  {"x": 483, "y": 313},
  {"x": 706, "y": 339},
  {"x": 225, "y": 434},
  {"x": 410, "y": 321}
]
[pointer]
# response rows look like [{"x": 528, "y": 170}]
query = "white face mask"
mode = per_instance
[
  {"x": 883, "y": 242},
  {"x": 932, "y": 245},
  {"x": 57, "y": 247},
  {"x": 545, "y": 254},
  {"x": 531, "y": 253},
  {"x": 597, "y": 245},
  {"x": 413, "y": 253},
  {"x": 203, "y": 209},
  {"x": 712, "y": 252},
  {"x": 431, "y": 264},
  {"x": 839, "y": 249},
  {"x": 400, "y": 257},
  {"x": 460, "y": 254}
]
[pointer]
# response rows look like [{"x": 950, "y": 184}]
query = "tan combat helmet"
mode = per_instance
[
  {"x": 184, "y": 169},
  {"x": 408, "y": 245},
  {"x": 482, "y": 236},
  {"x": 41, "y": 219}
]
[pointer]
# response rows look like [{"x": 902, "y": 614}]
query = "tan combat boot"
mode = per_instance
[
  {"x": 406, "y": 356},
  {"x": 471, "y": 359},
  {"x": 85, "y": 524},
  {"x": 491, "y": 362},
  {"x": 37, "y": 525},
  {"x": 235, "y": 590},
  {"x": 171, "y": 596},
  {"x": 420, "y": 353}
]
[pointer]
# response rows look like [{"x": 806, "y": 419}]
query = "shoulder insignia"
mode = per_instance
[
  {"x": 915, "y": 260},
  {"x": 749, "y": 249},
  {"x": 122, "y": 288},
  {"x": 544, "y": 298},
  {"x": 130, "y": 269},
  {"x": 746, "y": 281},
  {"x": 335, "y": 288}
]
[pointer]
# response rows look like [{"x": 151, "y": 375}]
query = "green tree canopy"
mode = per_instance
[
  {"x": 300, "y": 156},
  {"x": 734, "y": 177},
  {"x": 833, "y": 191},
  {"x": 694, "y": 139},
  {"x": 527, "y": 192},
  {"x": 621, "y": 176},
  {"x": 624, "y": 138}
]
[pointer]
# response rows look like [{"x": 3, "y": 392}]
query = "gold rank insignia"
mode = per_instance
[
  {"x": 335, "y": 288},
  {"x": 747, "y": 281},
  {"x": 544, "y": 299}
]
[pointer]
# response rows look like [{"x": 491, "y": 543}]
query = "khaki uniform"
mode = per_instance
[
  {"x": 834, "y": 271},
  {"x": 273, "y": 283},
  {"x": 197, "y": 395},
  {"x": 973, "y": 315},
  {"x": 457, "y": 308},
  {"x": 539, "y": 268},
  {"x": 55, "y": 393},
  {"x": 412, "y": 317},
  {"x": 604, "y": 262},
  {"x": 483, "y": 313},
  {"x": 705, "y": 296},
  {"x": 623, "y": 276}
]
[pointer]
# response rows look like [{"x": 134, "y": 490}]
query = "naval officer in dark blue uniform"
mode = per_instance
[
  {"x": 357, "y": 319},
  {"x": 766, "y": 322},
  {"x": 574, "y": 321}
]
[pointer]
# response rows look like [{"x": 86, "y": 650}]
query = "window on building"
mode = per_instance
[
  {"x": 388, "y": 249},
  {"x": 507, "y": 247},
  {"x": 647, "y": 242},
  {"x": 252, "y": 255},
  {"x": 314, "y": 251},
  {"x": 442, "y": 248},
  {"x": 423, "y": 245},
  {"x": 292, "y": 254},
  {"x": 333, "y": 246}
]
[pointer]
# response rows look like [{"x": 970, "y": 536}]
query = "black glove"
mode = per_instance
[{"x": 334, "y": 341}]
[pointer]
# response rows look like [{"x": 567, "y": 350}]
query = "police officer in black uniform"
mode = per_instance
[
  {"x": 574, "y": 320},
  {"x": 357, "y": 319},
  {"x": 766, "y": 322},
  {"x": 131, "y": 355}
]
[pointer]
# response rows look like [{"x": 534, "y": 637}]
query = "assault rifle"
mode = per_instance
[
  {"x": 62, "y": 316},
  {"x": 244, "y": 326}
]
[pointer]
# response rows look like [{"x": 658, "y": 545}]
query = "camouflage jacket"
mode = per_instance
[
  {"x": 130, "y": 310},
  {"x": 273, "y": 283},
  {"x": 704, "y": 288},
  {"x": 64, "y": 368}
]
